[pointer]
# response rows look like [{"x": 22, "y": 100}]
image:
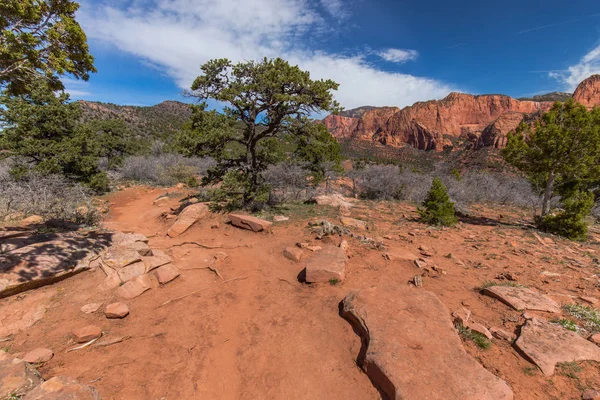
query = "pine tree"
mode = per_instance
[{"x": 437, "y": 207}]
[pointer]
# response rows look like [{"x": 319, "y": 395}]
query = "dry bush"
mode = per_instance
[
  {"x": 53, "y": 197},
  {"x": 385, "y": 182},
  {"x": 163, "y": 169},
  {"x": 288, "y": 182}
]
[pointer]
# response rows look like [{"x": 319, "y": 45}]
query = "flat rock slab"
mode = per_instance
[
  {"x": 52, "y": 258},
  {"x": 38, "y": 356},
  {"x": 188, "y": 217},
  {"x": 547, "y": 344},
  {"x": 59, "y": 388},
  {"x": 116, "y": 311},
  {"x": 521, "y": 298},
  {"x": 166, "y": 274},
  {"x": 411, "y": 349},
  {"x": 16, "y": 377},
  {"x": 326, "y": 265},
  {"x": 249, "y": 222}
]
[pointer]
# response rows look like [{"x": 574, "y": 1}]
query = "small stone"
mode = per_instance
[
  {"x": 166, "y": 273},
  {"x": 328, "y": 265},
  {"x": 595, "y": 339},
  {"x": 280, "y": 218},
  {"x": 302, "y": 245},
  {"x": 420, "y": 263},
  {"x": 417, "y": 281},
  {"x": 354, "y": 223},
  {"x": 591, "y": 394},
  {"x": 314, "y": 248},
  {"x": 292, "y": 253},
  {"x": 87, "y": 333},
  {"x": 91, "y": 308},
  {"x": 116, "y": 310},
  {"x": 112, "y": 281},
  {"x": 215, "y": 225},
  {"x": 249, "y": 222},
  {"x": 344, "y": 245},
  {"x": 461, "y": 316},
  {"x": 188, "y": 217},
  {"x": 502, "y": 334},
  {"x": 476, "y": 327},
  {"x": 158, "y": 259},
  {"x": 38, "y": 356}
]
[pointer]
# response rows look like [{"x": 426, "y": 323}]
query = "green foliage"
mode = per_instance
[
  {"x": 571, "y": 221},
  {"x": 560, "y": 156},
  {"x": 589, "y": 315},
  {"x": 41, "y": 39},
  {"x": 567, "y": 324},
  {"x": 437, "y": 207},
  {"x": 266, "y": 121},
  {"x": 39, "y": 131},
  {"x": 480, "y": 340},
  {"x": 112, "y": 139}
]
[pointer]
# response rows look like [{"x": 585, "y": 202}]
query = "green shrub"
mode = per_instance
[
  {"x": 437, "y": 207},
  {"x": 571, "y": 221}
]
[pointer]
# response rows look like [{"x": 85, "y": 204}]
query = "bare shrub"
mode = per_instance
[
  {"x": 385, "y": 182},
  {"x": 163, "y": 169},
  {"x": 288, "y": 182},
  {"x": 53, "y": 197}
]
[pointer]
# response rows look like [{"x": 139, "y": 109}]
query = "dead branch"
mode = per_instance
[
  {"x": 216, "y": 271},
  {"x": 207, "y": 246},
  {"x": 112, "y": 341},
  {"x": 201, "y": 290},
  {"x": 83, "y": 345}
]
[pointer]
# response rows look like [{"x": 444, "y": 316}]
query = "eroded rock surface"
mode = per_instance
[
  {"x": 59, "y": 388},
  {"x": 327, "y": 265},
  {"x": 411, "y": 349},
  {"x": 188, "y": 217},
  {"x": 521, "y": 298},
  {"x": 548, "y": 344}
]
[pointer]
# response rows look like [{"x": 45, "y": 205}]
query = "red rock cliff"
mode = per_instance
[
  {"x": 340, "y": 127},
  {"x": 588, "y": 92}
]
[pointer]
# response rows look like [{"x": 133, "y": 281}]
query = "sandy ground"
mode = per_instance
[{"x": 258, "y": 333}]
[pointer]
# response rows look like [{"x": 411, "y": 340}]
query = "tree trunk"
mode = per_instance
[{"x": 548, "y": 194}]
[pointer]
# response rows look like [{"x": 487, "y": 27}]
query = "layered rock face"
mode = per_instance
[
  {"x": 495, "y": 135},
  {"x": 588, "y": 92},
  {"x": 340, "y": 127},
  {"x": 485, "y": 120}
]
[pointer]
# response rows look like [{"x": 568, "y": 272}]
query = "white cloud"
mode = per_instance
[
  {"x": 575, "y": 74},
  {"x": 76, "y": 88},
  {"x": 335, "y": 8},
  {"x": 399, "y": 55},
  {"x": 180, "y": 35}
]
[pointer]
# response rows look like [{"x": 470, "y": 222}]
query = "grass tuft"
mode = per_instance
[
  {"x": 488, "y": 284},
  {"x": 567, "y": 324},
  {"x": 589, "y": 315},
  {"x": 480, "y": 340}
]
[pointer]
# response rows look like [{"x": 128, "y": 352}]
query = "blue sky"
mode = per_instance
[{"x": 381, "y": 52}]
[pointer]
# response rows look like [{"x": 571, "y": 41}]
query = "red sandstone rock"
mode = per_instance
[
  {"x": 166, "y": 273},
  {"x": 412, "y": 350},
  {"x": 133, "y": 288},
  {"x": 496, "y": 134},
  {"x": 372, "y": 121},
  {"x": 327, "y": 265},
  {"x": 340, "y": 127},
  {"x": 249, "y": 222},
  {"x": 548, "y": 344},
  {"x": 87, "y": 333},
  {"x": 521, "y": 298},
  {"x": 59, "y": 388},
  {"x": 188, "y": 217},
  {"x": 38, "y": 356},
  {"x": 16, "y": 377},
  {"x": 588, "y": 92},
  {"x": 116, "y": 310},
  {"x": 293, "y": 253}
]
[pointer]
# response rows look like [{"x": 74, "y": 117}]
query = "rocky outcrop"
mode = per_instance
[
  {"x": 547, "y": 344},
  {"x": 411, "y": 349},
  {"x": 340, "y": 127},
  {"x": 372, "y": 121},
  {"x": 588, "y": 92},
  {"x": 496, "y": 134}
]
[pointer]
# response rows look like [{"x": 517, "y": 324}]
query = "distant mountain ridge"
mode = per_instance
[
  {"x": 475, "y": 120},
  {"x": 156, "y": 121}
]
